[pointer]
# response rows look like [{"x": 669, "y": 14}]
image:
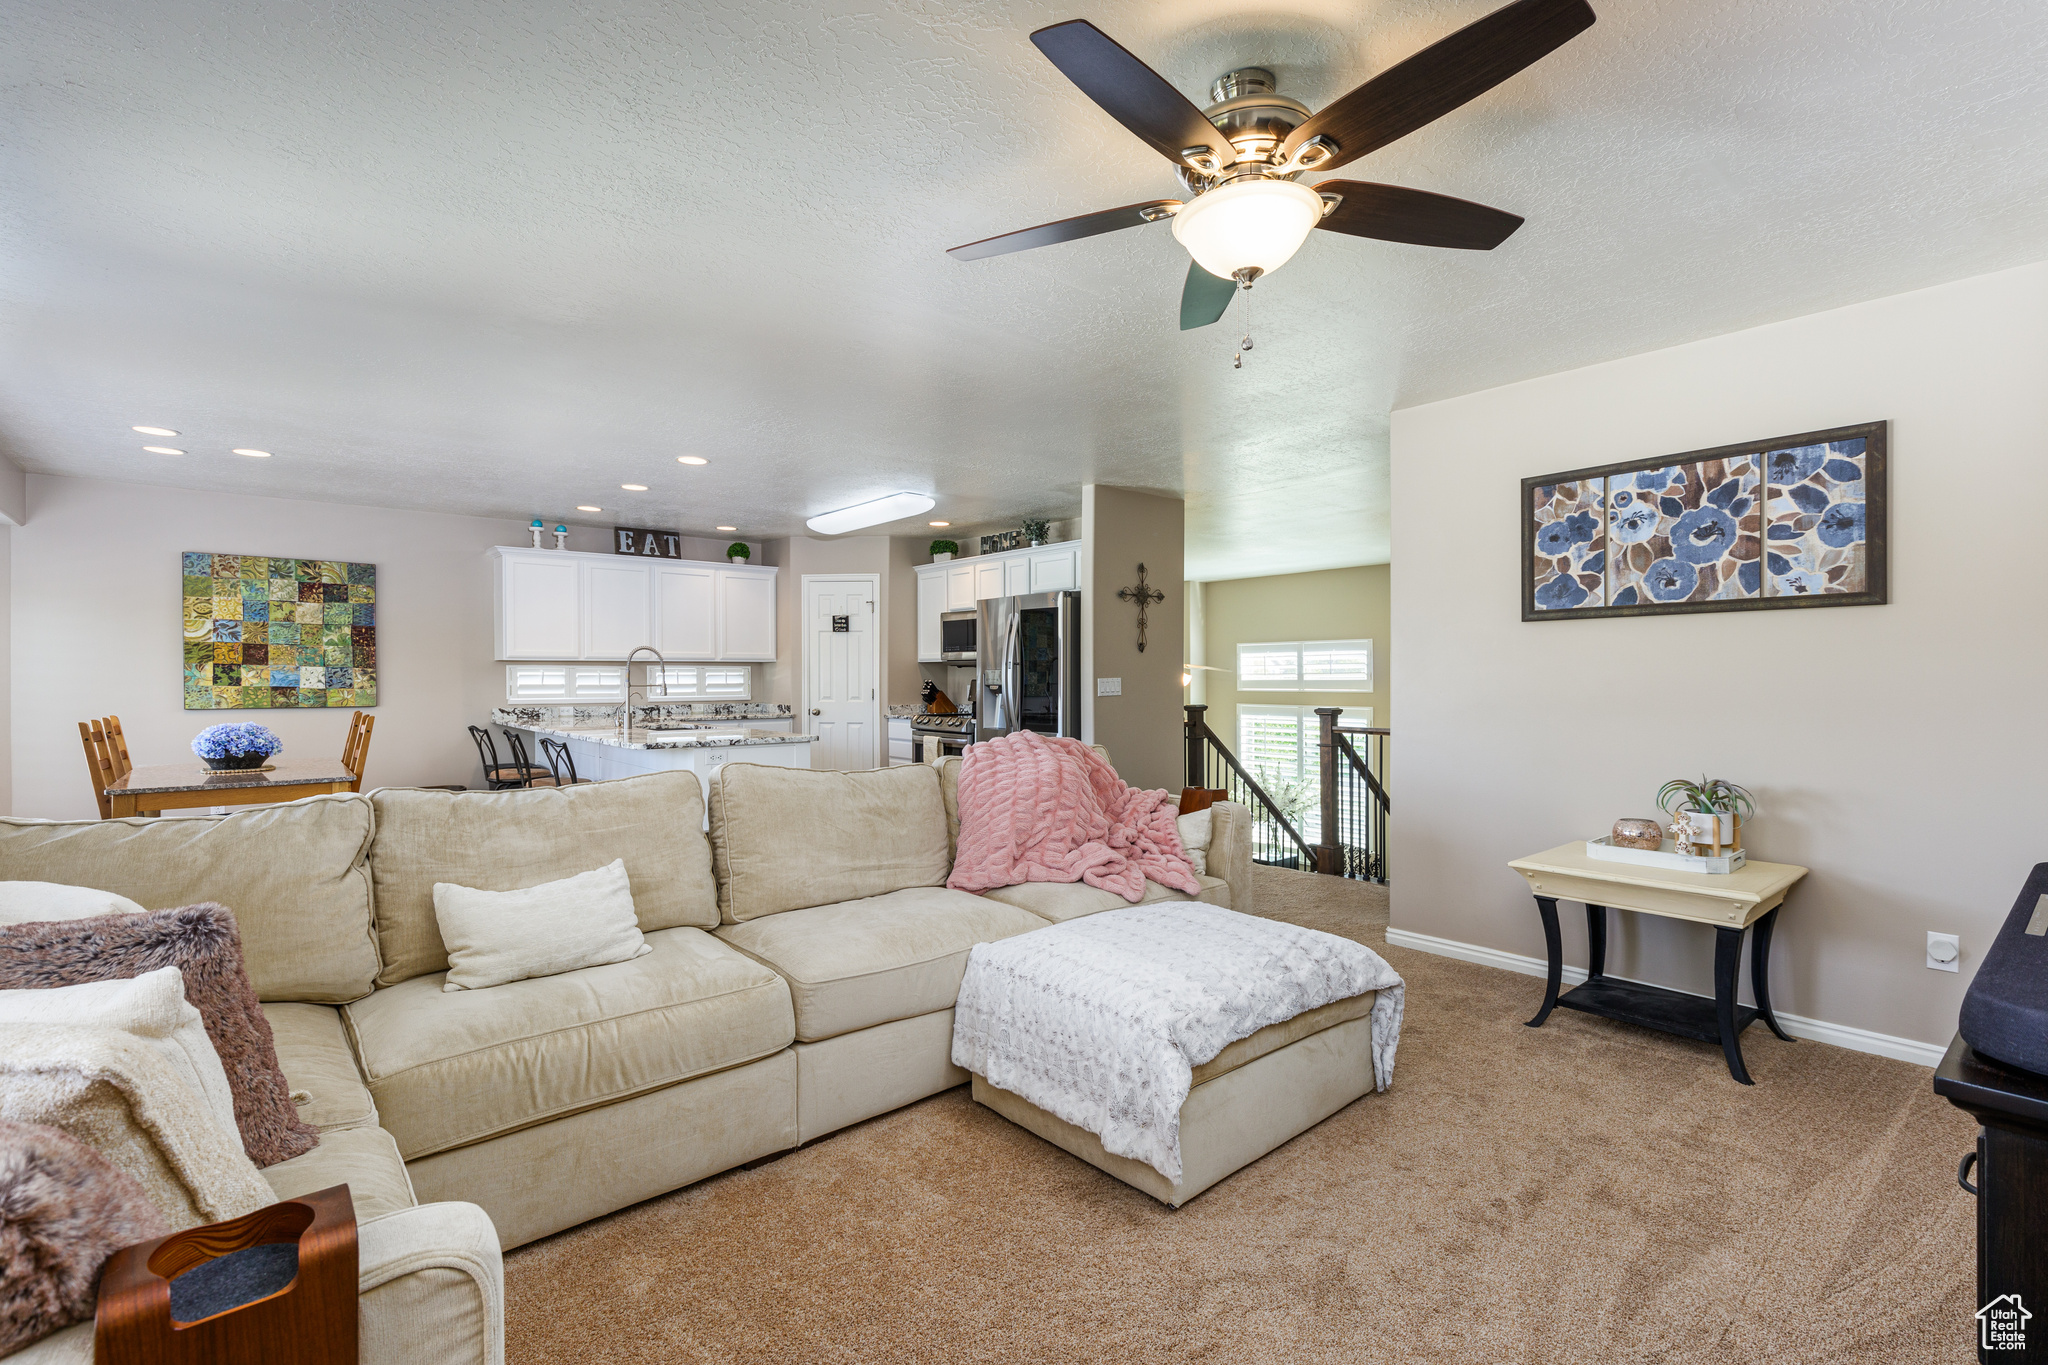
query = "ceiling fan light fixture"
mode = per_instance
[
  {"x": 1247, "y": 225},
  {"x": 895, "y": 507}
]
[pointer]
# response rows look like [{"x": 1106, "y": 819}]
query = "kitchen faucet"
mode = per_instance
[{"x": 626, "y": 711}]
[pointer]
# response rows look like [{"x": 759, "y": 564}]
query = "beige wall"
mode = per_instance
[
  {"x": 1334, "y": 604},
  {"x": 1891, "y": 748},
  {"x": 1142, "y": 728},
  {"x": 97, "y": 629},
  {"x": 799, "y": 555}
]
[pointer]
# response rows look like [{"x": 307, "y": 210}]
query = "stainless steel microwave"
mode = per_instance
[{"x": 958, "y": 633}]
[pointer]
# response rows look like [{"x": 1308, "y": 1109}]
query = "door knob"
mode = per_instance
[{"x": 816, "y": 712}]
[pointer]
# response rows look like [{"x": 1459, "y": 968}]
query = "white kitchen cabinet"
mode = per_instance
[
  {"x": 616, "y": 609},
  {"x": 746, "y": 613},
  {"x": 1016, "y": 576},
  {"x": 537, "y": 614},
  {"x": 960, "y": 587},
  {"x": 931, "y": 604},
  {"x": 554, "y": 604},
  {"x": 988, "y": 579},
  {"x": 684, "y": 606},
  {"x": 902, "y": 747},
  {"x": 1054, "y": 570}
]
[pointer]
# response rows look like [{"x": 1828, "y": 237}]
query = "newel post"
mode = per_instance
[
  {"x": 1197, "y": 764},
  {"x": 1327, "y": 849}
]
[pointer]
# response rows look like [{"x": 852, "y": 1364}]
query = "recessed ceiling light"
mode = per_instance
[
  {"x": 938, "y": 523},
  {"x": 162, "y": 450},
  {"x": 728, "y": 528},
  {"x": 581, "y": 508},
  {"x": 634, "y": 487},
  {"x": 259, "y": 454},
  {"x": 154, "y": 431},
  {"x": 892, "y": 508},
  {"x": 691, "y": 459}
]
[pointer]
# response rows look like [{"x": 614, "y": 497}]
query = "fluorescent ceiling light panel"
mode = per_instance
[{"x": 895, "y": 507}]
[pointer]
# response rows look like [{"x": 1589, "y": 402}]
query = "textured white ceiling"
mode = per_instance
[{"x": 500, "y": 258}]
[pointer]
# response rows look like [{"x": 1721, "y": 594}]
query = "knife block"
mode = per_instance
[{"x": 306, "y": 1317}]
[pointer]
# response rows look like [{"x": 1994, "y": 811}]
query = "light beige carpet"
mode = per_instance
[{"x": 1585, "y": 1192}]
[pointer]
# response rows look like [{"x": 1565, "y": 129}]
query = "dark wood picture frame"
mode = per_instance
[{"x": 1876, "y": 531}]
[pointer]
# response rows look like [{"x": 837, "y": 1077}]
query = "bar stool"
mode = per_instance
[
  {"x": 556, "y": 752},
  {"x": 502, "y": 776}
]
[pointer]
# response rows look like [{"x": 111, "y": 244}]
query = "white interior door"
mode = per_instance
[{"x": 842, "y": 671}]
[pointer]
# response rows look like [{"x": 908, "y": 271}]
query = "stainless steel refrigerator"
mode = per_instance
[{"x": 1030, "y": 665}]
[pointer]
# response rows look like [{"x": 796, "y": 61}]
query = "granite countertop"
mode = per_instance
[
  {"x": 694, "y": 737},
  {"x": 527, "y": 717}
]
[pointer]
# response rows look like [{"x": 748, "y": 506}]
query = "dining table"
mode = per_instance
[{"x": 181, "y": 786}]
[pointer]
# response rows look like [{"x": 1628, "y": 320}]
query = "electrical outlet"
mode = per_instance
[
  {"x": 1109, "y": 687},
  {"x": 1944, "y": 952}
]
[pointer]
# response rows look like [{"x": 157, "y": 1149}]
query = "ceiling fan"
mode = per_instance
[{"x": 1246, "y": 213}]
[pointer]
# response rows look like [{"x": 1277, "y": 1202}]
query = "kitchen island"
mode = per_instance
[{"x": 600, "y": 752}]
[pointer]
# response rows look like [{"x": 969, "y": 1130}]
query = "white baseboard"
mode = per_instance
[{"x": 1816, "y": 1030}]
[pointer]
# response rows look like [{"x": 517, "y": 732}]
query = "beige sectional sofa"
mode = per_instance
[{"x": 805, "y": 959}]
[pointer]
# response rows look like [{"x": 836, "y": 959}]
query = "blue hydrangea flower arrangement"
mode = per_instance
[{"x": 236, "y": 745}]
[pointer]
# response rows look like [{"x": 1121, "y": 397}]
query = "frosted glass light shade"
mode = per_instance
[
  {"x": 895, "y": 507},
  {"x": 1257, "y": 223}
]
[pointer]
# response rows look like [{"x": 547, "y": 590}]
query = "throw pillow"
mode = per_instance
[
  {"x": 153, "y": 1008},
  {"x": 118, "y": 1095},
  {"x": 203, "y": 943},
  {"x": 498, "y": 936},
  {"x": 1196, "y": 829},
  {"x": 28, "y": 902},
  {"x": 63, "y": 1211}
]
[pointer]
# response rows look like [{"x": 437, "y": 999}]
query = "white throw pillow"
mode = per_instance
[
  {"x": 153, "y": 1008},
  {"x": 1195, "y": 831},
  {"x": 498, "y": 936},
  {"x": 34, "y": 902}
]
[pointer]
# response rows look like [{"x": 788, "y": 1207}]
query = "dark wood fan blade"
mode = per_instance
[
  {"x": 1204, "y": 298},
  {"x": 1131, "y": 92},
  {"x": 1393, "y": 214},
  {"x": 1443, "y": 76},
  {"x": 1065, "y": 230}
]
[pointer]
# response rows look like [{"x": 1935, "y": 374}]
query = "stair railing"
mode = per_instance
[
  {"x": 1275, "y": 839},
  {"x": 1355, "y": 804}
]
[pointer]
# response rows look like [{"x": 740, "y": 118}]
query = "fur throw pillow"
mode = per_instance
[
  {"x": 204, "y": 944},
  {"x": 63, "y": 1211}
]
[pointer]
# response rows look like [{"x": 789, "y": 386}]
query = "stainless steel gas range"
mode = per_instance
[{"x": 936, "y": 734}]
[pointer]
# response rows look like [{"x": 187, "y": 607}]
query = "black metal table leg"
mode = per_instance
[
  {"x": 1546, "y": 906},
  {"x": 1727, "y": 968},
  {"x": 1760, "y": 970},
  {"x": 1596, "y": 941}
]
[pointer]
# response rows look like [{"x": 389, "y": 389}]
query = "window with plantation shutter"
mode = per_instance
[
  {"x": 692, "y": 682},
  {"x": 1305, "y": 666}
]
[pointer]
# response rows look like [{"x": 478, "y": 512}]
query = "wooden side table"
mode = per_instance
[{"x": 1731, "y": 903}]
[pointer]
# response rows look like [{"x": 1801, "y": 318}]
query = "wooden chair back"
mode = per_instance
[
  {"x": 99, "y": 762},
  {"x": 117, "y": 746},
  {"x": 355, "y": 751}
]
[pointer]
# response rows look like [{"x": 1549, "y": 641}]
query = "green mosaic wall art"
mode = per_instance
[{"x": 263, "y": 633}]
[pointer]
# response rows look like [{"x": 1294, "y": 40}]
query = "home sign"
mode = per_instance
[{"x": 632, "y": 540}]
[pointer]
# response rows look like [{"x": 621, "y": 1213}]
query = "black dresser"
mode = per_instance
[{"x": 2009, "y": 1175}]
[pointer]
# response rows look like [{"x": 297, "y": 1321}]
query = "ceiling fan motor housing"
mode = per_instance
[{"x": 1251, "y": 114}]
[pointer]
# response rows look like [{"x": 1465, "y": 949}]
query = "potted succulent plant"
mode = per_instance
[
  {"x": 239, "y": 745},
  {"x": 1717, "y": 806},
  {"x": 1035, "y": 530},
  {"x": 738, "y": 553},
  {"x": 943, "y": 550}
]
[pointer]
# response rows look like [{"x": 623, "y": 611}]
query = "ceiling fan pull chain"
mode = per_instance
[{"x": 1245, "y": 291}]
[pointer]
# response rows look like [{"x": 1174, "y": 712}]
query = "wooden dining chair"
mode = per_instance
[
  {"x": 355, "y": 750},
  {"x": 117, "y": 746},
  {"x": 99, "y": 762}
]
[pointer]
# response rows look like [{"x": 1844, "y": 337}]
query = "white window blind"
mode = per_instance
[
  {"x": 711, "y": 682},
  {"x": 598, "y": 684},
  {"x": 1305, "y": 666},
  {"x": 536, "y": 682},
  {"x": 1281, "y": 747}
]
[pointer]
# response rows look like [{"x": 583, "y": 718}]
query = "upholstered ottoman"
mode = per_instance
[{"x": 1102, "y": 1020}]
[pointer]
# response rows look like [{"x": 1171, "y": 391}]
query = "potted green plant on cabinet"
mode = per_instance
[
  {"x": 738, "y": 553},
  {"x": 943, "y": 550},
  {"x": 1716, "y": 807},
  {"x": 1035, "y": 530}
]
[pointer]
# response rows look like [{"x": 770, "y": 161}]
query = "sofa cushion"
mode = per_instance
[
  {"x": 293, "y": 874},
  {"x": 319, "y": 1066},
  {"x": 364, "y": 1159},
  {"x": 448, "y": 1069},
  {"x": 510, "y": 840},
  {"x": 790, "y": 838},
  {"x": 1062, "y": 901},
  {"x": 870, "y": 961}
]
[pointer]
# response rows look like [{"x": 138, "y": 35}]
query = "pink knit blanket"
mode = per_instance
[{"x": 1040, "y": 809}]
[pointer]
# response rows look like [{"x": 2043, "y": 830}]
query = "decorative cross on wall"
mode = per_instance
[{"x": 1145, "y": 597}]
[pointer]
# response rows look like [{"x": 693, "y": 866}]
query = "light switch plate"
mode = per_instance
[
  {"x": 1950, "y": 947},
  {"x": 1109, "y": 687}
]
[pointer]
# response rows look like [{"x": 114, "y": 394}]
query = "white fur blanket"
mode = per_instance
[{"x": 1102, "y": 1020}]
